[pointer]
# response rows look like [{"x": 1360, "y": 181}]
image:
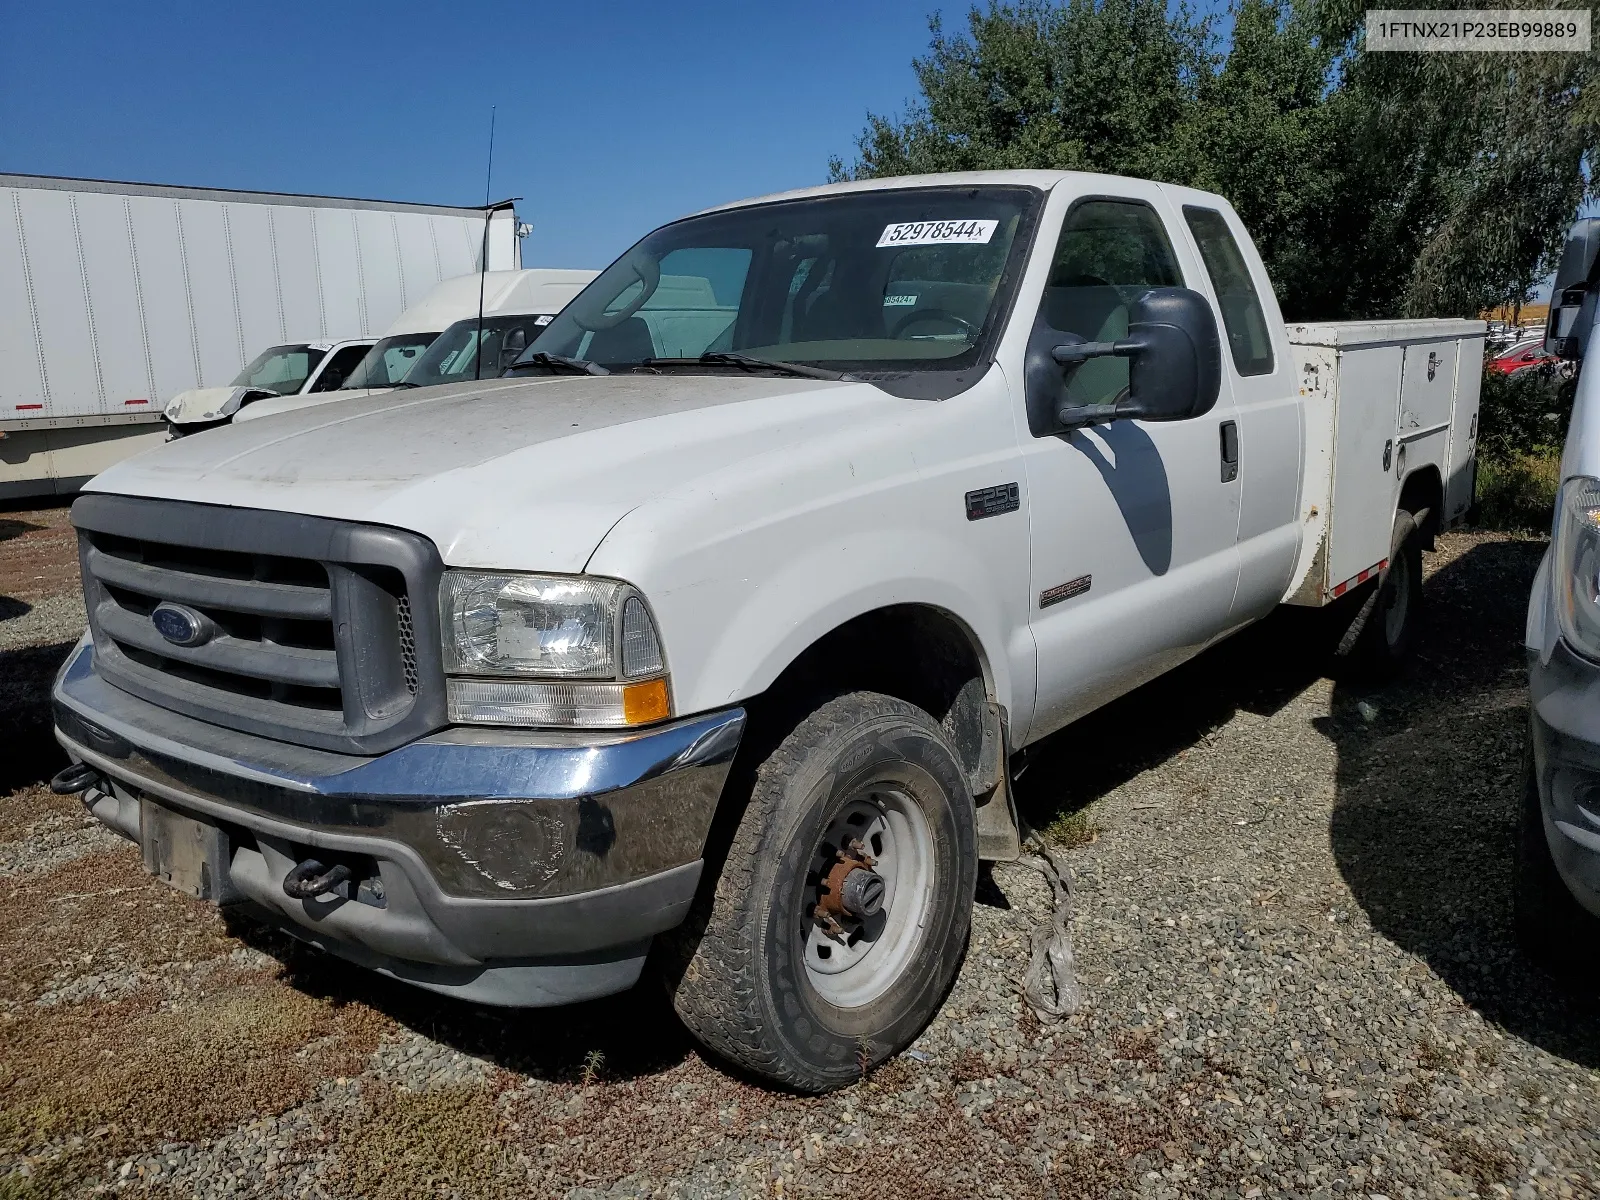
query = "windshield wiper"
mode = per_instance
[
  {"x": 558, "y": 363},
  {"x": 748, "y": 362}
]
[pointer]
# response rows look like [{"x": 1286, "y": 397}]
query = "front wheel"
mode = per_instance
[
  {"x": 1554, "y": 929},
  {"x": 841, "y": 915}
]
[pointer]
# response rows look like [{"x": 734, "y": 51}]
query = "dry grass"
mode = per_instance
[
  {"x": 446, "y": 1141},
  {"x": 85, "y": 1083},
  {"x": 1073, "y": 829},
  {"x": 96, "y": 912},
  {"x": 1485, "y": 1165},
  {"x": 1518, "y": 492}
]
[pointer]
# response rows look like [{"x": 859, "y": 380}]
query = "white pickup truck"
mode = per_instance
[{"x": 716, "y": 630}]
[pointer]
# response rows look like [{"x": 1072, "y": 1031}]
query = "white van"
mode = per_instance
[{"x": 535, "y": 292}]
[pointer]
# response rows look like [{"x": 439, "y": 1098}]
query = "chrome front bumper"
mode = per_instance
[{"x": 510, "y": 867}]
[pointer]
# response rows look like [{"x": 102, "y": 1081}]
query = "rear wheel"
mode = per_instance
[
  {"x": 839, "y": 920},
  {"x": 1383, "y": 628}
]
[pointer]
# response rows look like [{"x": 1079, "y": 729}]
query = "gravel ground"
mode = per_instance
[{"x": 1292, "y": 927}]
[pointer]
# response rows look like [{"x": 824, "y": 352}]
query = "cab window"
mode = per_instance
[
  {"x": 343, "y": 362},
  {"x": 1110, "y": 253},
  {"x": 1248, "y": 339}
]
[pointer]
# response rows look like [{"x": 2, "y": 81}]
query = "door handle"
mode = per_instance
[{"x": 1230, "y": 451}]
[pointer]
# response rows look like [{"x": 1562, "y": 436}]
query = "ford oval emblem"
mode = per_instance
[{"x": 181, "y": 625}]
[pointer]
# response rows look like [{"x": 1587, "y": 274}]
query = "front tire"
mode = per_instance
[
  {"x": 1553, "y": 928},
  {"x": 771, "y": 973}
]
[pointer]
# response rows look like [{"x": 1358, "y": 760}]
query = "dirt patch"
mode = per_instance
[
  {"x": 39, "y": 558},
  {"x": 86, "y": 1083},
  {"x": 93, "y": 913}
]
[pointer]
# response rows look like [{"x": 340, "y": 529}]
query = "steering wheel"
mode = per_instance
[
  {"x": 920, "y": 315},
  {"x": 647, "y": 272}
]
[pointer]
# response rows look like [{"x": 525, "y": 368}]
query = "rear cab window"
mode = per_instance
[{"x": 1249, "y": 339}]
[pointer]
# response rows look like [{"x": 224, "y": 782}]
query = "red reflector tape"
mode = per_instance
[
  {"x": 1357, "y": 580},
  {"x": 136, "y": 402},
  {"x": 28, "y": 407}
]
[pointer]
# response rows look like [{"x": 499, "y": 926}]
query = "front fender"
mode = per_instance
[
  {"x": 729, "y": 631},
  {"x": 815, "y": 593},
  {"x": 749, "y": 563}
]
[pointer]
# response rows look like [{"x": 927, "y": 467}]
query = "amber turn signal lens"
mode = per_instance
[{"x": 646, "y": 702}]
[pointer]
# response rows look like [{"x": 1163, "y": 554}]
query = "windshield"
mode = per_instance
[
  {"x": 387, "y": 363},
  {"x": 874, "y": 282},
  {"x": 282, "y": 369},
  {"x": 458, "y": 354}
]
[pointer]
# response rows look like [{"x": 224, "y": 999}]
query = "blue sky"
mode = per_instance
[{"x": 612, "y": 118}]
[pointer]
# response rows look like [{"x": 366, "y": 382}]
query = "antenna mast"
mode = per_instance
[{"x": 483, "y": 257}]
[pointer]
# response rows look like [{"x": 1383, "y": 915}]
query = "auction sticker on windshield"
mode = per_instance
[{"x": 937, "y": 233}]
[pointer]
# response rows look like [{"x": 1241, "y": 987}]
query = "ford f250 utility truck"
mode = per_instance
[{"x": 711, "y": 630}]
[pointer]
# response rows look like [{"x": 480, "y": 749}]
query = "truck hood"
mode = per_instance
[
  {"x": 209, "y": 404},
  {"x": 526, "y": 474},
  {"x": 282, "y": 404}
]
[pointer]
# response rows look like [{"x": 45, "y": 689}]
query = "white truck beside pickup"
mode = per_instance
[
  {"x": 284, "y": 378},
  {"x": 711, "y": 631}
]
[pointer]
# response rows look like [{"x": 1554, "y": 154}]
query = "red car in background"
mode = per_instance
[{"x": 1527, "y": 355}]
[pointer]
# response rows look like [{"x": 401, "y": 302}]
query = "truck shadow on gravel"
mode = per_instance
[
  {"x": 632, "y": 1035},
  {"x": 1427, "y": 783},
  {"x": 28, "y": 750}
]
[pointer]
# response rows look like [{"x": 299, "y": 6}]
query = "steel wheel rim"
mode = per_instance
[
  {"x": 857, "y": 968},
  {"x": 1394, "y": 612}
]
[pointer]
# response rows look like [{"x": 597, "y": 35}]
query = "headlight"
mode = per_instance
[
  {"x": 550, "y": 650},
  {"x": 1577, "y": 564}
]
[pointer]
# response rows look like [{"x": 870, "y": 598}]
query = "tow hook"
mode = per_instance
[
  {"x": 76, "y": 778},
  {"x": 850, "y": 889},
  {"x": 310, "y": 879}
]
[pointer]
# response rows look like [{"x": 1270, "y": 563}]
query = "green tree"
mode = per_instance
[
  {"x": 1375, "y": 184},
  {"x": 1083, "y": 86}
]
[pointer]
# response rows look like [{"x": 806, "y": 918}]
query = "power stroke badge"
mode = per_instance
[{"x": 1065, "y": 591}]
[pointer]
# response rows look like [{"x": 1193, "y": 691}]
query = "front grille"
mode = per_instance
[
  {"x": 309, "y": 620},
  {"x": 408, "y": 644}
]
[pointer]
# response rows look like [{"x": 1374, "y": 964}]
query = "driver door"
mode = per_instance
[{"x": 1133, "y": 523}]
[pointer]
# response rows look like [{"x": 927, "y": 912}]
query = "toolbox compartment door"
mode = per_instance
[
  {"x": 1428, "y": 387},
  {"x": 1363, "y": 460}
]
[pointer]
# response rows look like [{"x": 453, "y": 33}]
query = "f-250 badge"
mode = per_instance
[{"x": 992, "y": 501}]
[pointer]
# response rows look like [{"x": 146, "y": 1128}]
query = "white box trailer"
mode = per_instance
[
  {"x": 116, "y": 296},
  {"x": 1385, "y": 402}
]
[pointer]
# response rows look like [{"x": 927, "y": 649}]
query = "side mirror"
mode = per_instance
[
  {"x": 516, "y": 341},
  {"x": 1174, "y": 368},
  {"x": 1572, "y": 298}
]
